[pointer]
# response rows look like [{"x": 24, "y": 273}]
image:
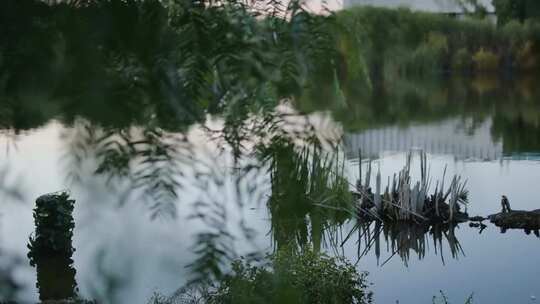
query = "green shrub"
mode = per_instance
[
  {"x": 462, "y": 60},
  {"x": 424, "y": 59},
  {"x": 430, "y": 55},
  {"x": 513, "y": 32},
  {"x": 486, "y": 61},
  {"x": 526, "y": 56},
  {"x": 532, "y": 30},
  {"x": 438, "y": 42},
  {"x": 307, "y": 277}
]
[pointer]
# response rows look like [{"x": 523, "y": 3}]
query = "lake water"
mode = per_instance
[{"x": 486, "y": 130}]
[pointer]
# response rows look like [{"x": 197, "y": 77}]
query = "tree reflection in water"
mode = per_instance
[{"x": 55, "y": 278}]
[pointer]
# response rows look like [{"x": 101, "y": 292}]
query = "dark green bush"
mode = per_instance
[
  {"x": 462, "y": 60},
  {"x": 486, "y": 61},
  {"x": 306, "y": 277}
]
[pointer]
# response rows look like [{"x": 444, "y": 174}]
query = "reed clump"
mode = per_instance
[{"x": 405, "y": 200}]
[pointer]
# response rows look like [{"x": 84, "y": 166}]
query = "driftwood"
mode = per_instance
[{"x": 517, "y": 219}]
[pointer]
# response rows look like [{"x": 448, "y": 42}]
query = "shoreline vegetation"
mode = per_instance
[
  {"x": 338, "y": 61},
  {"x": 402, "y": 42},
  {"x": 359, "y": 60}
]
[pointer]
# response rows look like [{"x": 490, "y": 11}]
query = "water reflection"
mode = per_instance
[
  {"x": 293, "y": 216},
  {"x": 55, "y": 278},
  {"x": 448, "y": 116},
  {"x": 311, "y": 205},
  {"x": 463, "y": 248},
  {"x": 386, "y": 241},
  {"x": 444, "y": 137},
  {"x": 8, "y": 284},
  {"x": 309, "y": 194},
  {"x": 527, "y": 231},
  {"x": 402, "y": 239}
]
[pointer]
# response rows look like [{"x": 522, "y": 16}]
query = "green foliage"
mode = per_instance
[
  {"x": 527, "y": 56},
  {"x": 143, "y": 72},
  {"x": 513, "y": 32},
  {"x": 307, "y": 277},
  {"x": 462, "y": 60},
  {"x": 520, "y": 10},
  {"x": 429, "y": 55},
  {"x": 486, "y": 61},
  {"x": 394, "y": 42},
  {"x": 172, "y": 60}
]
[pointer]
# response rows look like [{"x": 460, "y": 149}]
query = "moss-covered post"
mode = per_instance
[{"x": 51, "y": 247}]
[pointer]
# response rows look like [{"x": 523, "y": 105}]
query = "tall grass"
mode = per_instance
[{"x": 404, "y": 200}]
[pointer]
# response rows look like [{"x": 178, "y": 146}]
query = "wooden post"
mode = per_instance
[{"x": 51, "y": 247}]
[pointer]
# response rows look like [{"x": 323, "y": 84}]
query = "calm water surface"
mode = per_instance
[{"x": 487, "y": 131}]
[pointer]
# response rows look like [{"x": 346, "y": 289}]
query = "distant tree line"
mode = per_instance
[
  {"x": 508, "y": 10},
  {"x": 505, "y": 10},
  {"x": 400, "y": 41}
]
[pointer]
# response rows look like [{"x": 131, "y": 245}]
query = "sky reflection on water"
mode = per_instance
[{"x": 124, "y": 244}]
